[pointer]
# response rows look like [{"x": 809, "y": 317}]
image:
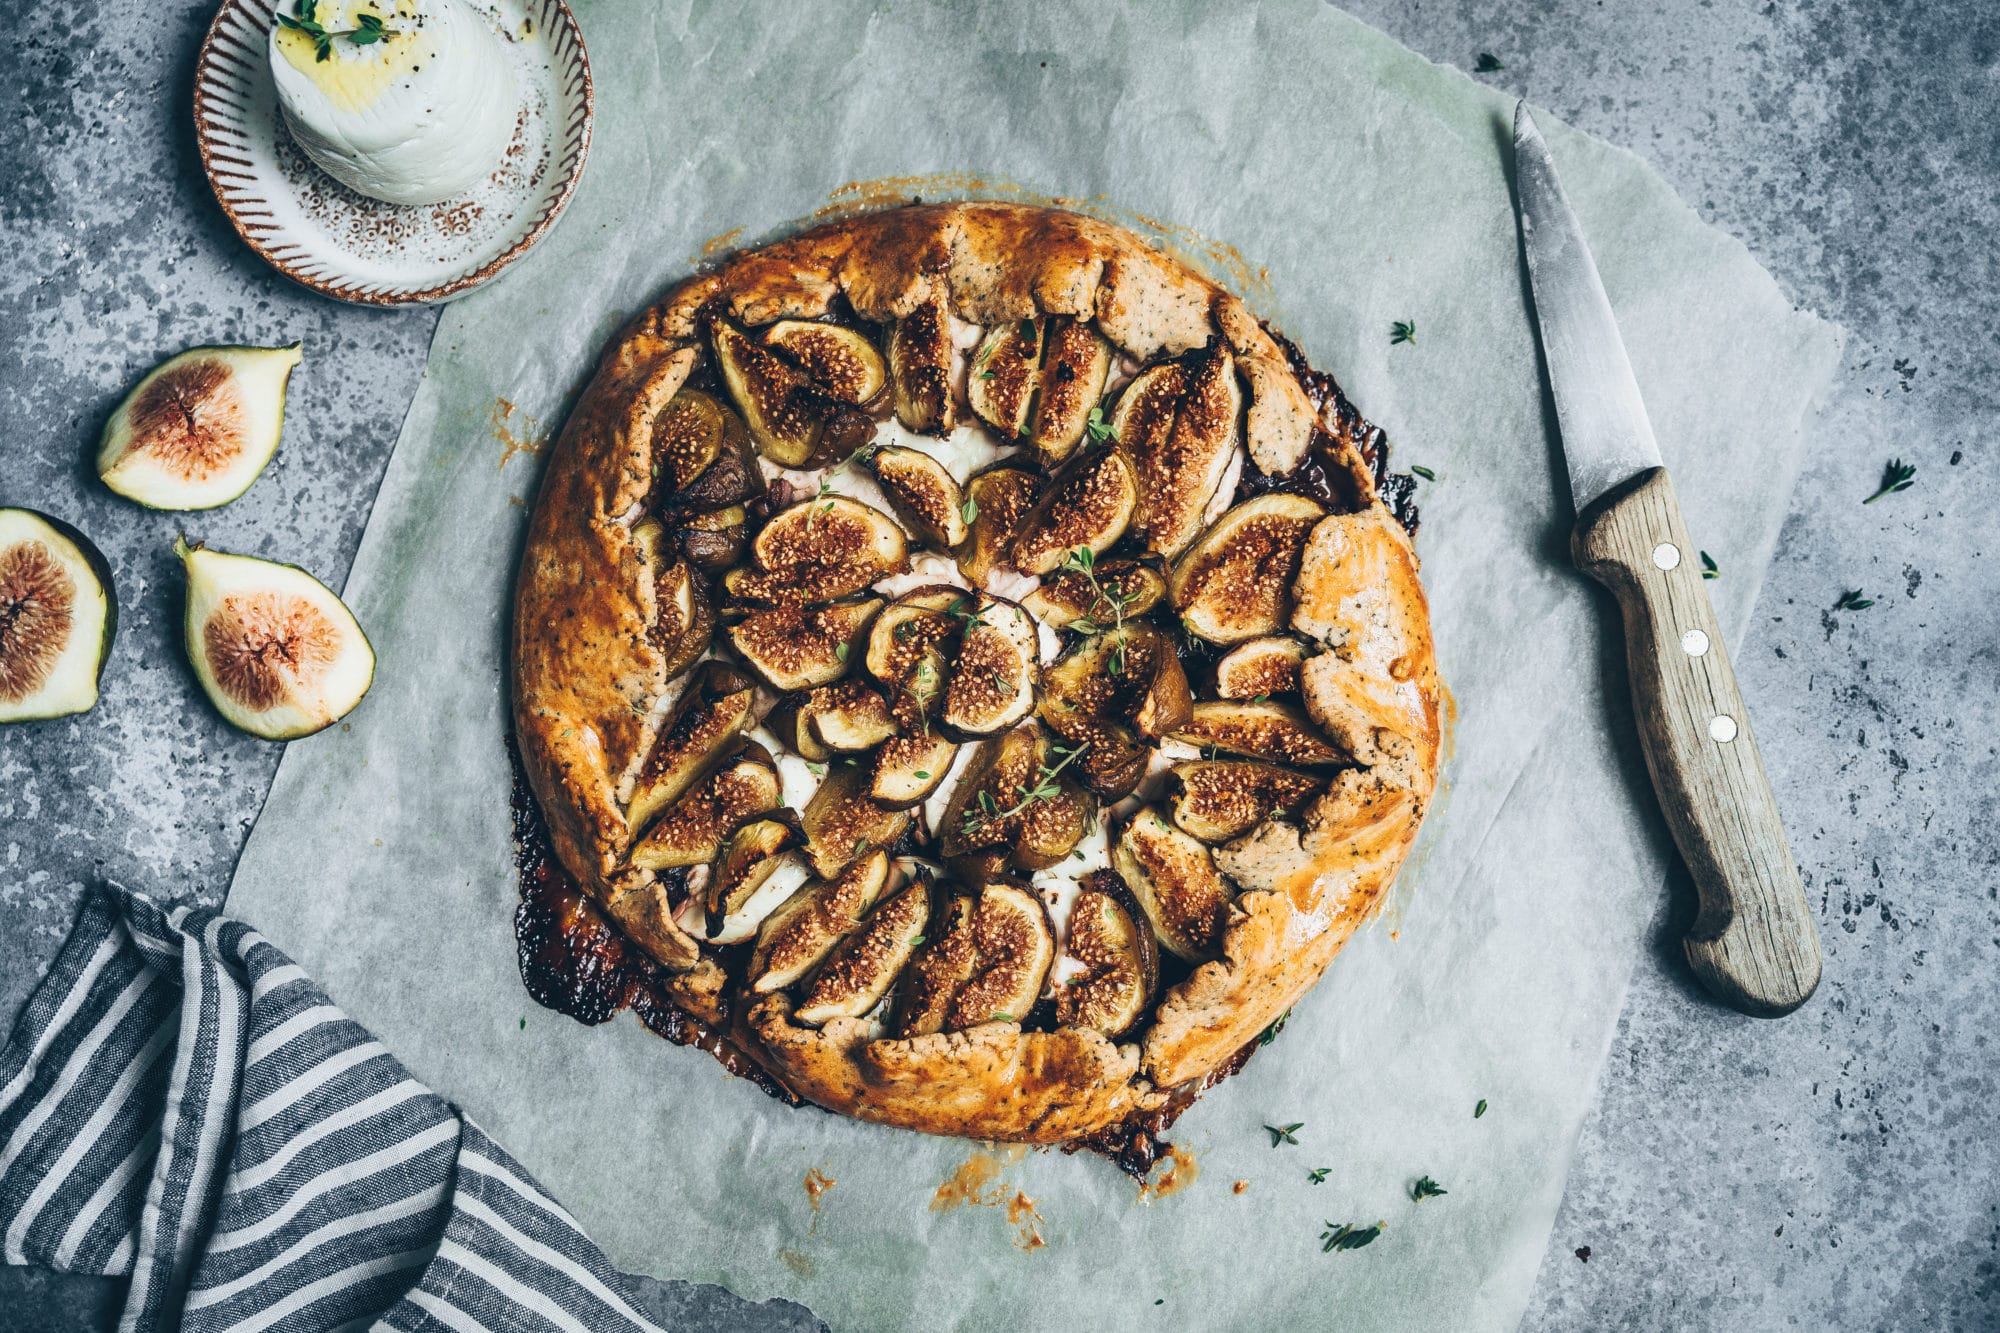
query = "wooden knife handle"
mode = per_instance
[{"x": 1753, "y": 943}]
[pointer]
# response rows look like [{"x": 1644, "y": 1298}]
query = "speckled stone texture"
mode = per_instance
[{"x": 1833, "y": 1170}]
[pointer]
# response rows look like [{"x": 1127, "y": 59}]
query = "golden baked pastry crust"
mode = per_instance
[{"x": 589, "y": 675}]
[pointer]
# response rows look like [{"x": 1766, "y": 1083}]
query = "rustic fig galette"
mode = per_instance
[{"x": 979, "y": 662}]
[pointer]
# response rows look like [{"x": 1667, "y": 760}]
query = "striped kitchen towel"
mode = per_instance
[{"x": 180, "y": 1104}]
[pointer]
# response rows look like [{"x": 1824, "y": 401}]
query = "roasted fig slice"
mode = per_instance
[
  {"x": 279, "y": 655},
  {"x": 675, "y": 598},
  {"x": 1110, "y": 940},
  {"x": 690, "y": 831},
  {"x": 820, "y": 549},
  {"x": 716, "y": 709},
  {"x": 993, "y": 679},
  {"x": 1236, "y": 582},
  {"x": 1014, "y": 799},
  {"x": 1278, "y": 732},
  {"x": 703, "y": 458},
  {"x": 199, "y": 428},
  {"x": 1052, "y": 824},
  {"x": 909, "y": 645},
  {"x": 924, "y": 493},
  {"x": 809, "y": 925},
  {"x": 840, "y": 362},
  {"x": 1000, "y": 387},
  {"x": 1110, "y": 690},
  {"x": 786, "y": 415},
  {"x": 715, "y": 541},
  {"x": 798, "y": 647},
  {"x": 920, "y": 352},
  {"x": 1087, "y": 508},
  {"x": 941, "y": 969},
  {"x": 1075, "y": 363},
  {"x": 1260, "y": 668},
  {"x": 1015, "y": 946},
  {"x": 998, "y": 500},
  {"x": 843, "y": 822},
  {"x": 750, "y": 856},
  {"x": 1216, "y": 800},
  {"x": 855, "y": 719},
  {"x": 791, "y": 720},
  {"x": 862, "y": 969},
  {"x": 57, "y": 618},
  {"x": 1175, "y": 882},
  {"x": 1177, "y": 478},
  {"x": 1096, "y": 598},
  {"x": 907, "y": 769}
]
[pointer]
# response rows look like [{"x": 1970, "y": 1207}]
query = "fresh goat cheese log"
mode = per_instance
[{"x": 407, "y": 101}]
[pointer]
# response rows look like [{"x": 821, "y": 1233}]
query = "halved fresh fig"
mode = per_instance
[
  {"x": 715, "y": 710},
  {"x": 907, "y": 769},
  {"x": 940, "y": 969},
  {"x": 1016, "y": 944},
  {"x": 199, "y": 428},
  {"x": 809, "y": 925},
  {"x": 840, "y": 362},
  {"x": 999, "y": 500},
  {"x": 278, "y": 653},
  {"x": 1260, "y": 668},
  {"x": 1178, "y": 476},
  {"x": 675, "y": 597},
  {"x": 842, "y": 822},
  {"x": 993, "y": 677},
  {"x": 920, "y": 352},
  {"x": 924, "y": 493},
  {"x": 1216, "y": 800},
  {"x": 860, "y": 972},
  {"x": 1092, "y": 600},
  {"x": 703, "y": 457},
  {"x": 1075, "y": 363},
  {"x": 820, "y": 549},
  {"x": 1088, "y": 508},
  {"x": 1000, "y": 387},
  {"x": 1111, "y": 940},
  {"x": 852, "y": 721},
  {"x": 57, "y": 618},
  {"x": 1236, "y": 582},
  {"x": 908, "y": 648},
  {"x": 1143, "y": 420},
  {"x": 1278, "y": 732},
  {"x": 1106, "y": 693},
  {"x": 1174, "y": 880},
  {"x": 714, "y": 541},
  {"x": 690, "y": 831},
  {"x": 798, "y": 647},
  {"x": 1015, "y": 798},
  {"x": 750, "y": 855},
  {"x": 785, "y": 414}
]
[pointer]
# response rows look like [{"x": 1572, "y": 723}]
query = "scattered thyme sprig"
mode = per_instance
[
  {"x": 1045, "y": 789},
  {"x": 1897, "y": 476},
  {"x": 1083, "y": 561},
  {"x": 1488, "y": 63},
  {"x": 1709, "y": 569},
  {"x": 1283, "y": 1134},
  {"x": 1318, "y": 1174},
  {"x": 368, "y": 29},
  {"x": 1426, "y": 1188},
  {"x": 1098, "y": 429},
  {"x": 1852, "y": 600},
  {"x": 1347, "y": 1236},
  {"x": 1403, "y": 331},
  {"x": 1270, "y": 1034}
]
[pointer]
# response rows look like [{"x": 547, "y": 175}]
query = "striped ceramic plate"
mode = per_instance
[{"x": 318, "y": 232}]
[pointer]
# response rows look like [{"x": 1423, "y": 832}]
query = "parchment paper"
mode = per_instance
[{"x": 1369, "y": 186}]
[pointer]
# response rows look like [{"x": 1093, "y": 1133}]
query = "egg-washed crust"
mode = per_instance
[{"x": 589, "y": 682}]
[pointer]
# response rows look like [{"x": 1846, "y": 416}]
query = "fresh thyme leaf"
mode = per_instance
[
  {"x": 923, "y": 776},
  {"x": 1402, "y": 331},
  {"x": 1318, "y": 1174},
  {"x": 369, "y": 30},
  {"x": 1347, "y": 1236},
  {"x": 524, "y": 1025},
  {"x": 1426, "y": 1188},
  {"x": 1480, "y": 1109},
  {"x": 1045, "y": 788},
  {"x": 969, "y": 511},
  {"x": 840, "y": 651},
  {"x": 1897, "y": 476},
  {"x": 1270, "y": 1034},
  {"x": 817, "y": 770},
  {"x": 1283, "y": 1134},
  {"x": 1709, "y": 570},
  {"x": 916, "y": 941},
  {"x": 1031, "y": 333},
  {"x": 1488, "y": 63},
  {"x": 986, "y": 374},
  {"x": 1425, "y": 473},
  {"x": 1852, "y": 600},
  {"x": 1098, "y": 429},
  {"x": 1001, "y": 1016}
]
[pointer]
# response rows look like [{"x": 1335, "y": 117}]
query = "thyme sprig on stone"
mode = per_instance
[{"x": 1897, "y": 476}]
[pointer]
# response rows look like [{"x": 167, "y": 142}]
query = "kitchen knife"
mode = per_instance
[{"x": 1753, "y": 942}]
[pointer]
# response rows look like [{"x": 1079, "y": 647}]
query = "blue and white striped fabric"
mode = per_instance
[{"x": 180, "y": 1104}]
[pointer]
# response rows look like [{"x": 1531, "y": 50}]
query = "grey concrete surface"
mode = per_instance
[{"x": 1833, "y": 1170}]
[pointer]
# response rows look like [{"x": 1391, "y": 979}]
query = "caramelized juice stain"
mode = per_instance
[
  {"x": 977, "y": 1182},
  {"x": 500, "y": 420},
  {"x": 716, "y": 245},
  {"x": 817, "y": 1182},
  {"x": 797, "y": 1260},
  {"x": 1179, "y": 1172}
]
